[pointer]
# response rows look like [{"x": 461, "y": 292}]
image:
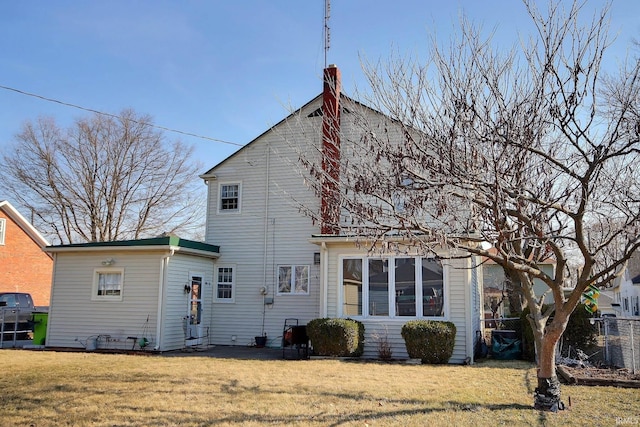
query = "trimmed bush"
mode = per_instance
[
  {"x": 336, "y": 337},
  {"x": 429, "y": 340}
]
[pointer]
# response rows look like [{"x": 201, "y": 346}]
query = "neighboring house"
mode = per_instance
[
  {"x": 277, "y": 264},
  {"x": 148, "y": 293},
  {"x": 24, "y": 266},
  {"x": 495, "y": 291},
  {"x": 626, "y": 289},
  {"x": 496, "y": 295},
  {"x": 605, "y": 303}
]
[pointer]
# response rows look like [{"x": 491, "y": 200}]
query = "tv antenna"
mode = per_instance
[{"x": 327, "y": 32}]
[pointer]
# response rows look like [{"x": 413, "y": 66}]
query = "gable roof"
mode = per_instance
[
  {"x": 156, "y": 243},
  {"x": 22, "y": 222},
  {"x": 315, "y": 113}
]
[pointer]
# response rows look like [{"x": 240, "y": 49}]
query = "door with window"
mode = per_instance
[{"x": 194, "y": 310}]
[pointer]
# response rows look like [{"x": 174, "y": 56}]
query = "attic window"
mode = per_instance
[
  {"x": 318, "y": 112},
  {"x": 2, "y": 230}
]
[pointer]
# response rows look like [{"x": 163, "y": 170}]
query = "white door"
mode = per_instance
[{"x": 194, "y": 313}]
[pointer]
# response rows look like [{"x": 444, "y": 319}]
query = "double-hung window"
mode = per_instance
[
  {"x": 293, "y": 279},
  {"x": 108, "y": 284},
  {"x": 225, "y": 284},
  {"x": 392, "y": 287},
  {"x": 229, "y": 197}
]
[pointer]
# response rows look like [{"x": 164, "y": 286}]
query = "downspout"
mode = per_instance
[
  {"x": 266, "y": 220},
  {"x": 468, "y": 320},
  {"x": 266, "y": 240},
  {"x": 164, "y": 267},
  {"x": 325, "y": 280},
  {"x": 51, "y": 295}
]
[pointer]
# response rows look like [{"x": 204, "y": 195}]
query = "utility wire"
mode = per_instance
[{"x": 116, "y": 116}]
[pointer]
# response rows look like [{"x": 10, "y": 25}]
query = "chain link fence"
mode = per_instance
[{"x": 617, "y": 341}]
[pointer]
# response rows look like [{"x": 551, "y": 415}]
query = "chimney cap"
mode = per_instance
[{"x": 332, "y": 66}]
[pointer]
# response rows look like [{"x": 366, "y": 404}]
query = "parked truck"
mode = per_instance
[{"x": 16, "y": 310}]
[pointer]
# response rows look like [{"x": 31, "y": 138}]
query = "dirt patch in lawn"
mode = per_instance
[{"x": 589, "y": 375}]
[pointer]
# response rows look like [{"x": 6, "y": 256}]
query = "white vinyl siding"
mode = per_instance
[
  {"x": 75, "y": 317},
  {"x": 269, "y": 231},
  {"x": 181, "y": 268}
]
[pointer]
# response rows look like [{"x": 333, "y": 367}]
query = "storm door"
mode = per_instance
[{"x": 194, "y": 315}]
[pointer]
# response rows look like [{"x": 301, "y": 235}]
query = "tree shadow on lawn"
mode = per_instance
[
  {"x": 208, "y": 415},
  {"x": 370, "y": 416}
]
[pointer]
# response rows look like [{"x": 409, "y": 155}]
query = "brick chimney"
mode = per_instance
[{"x": 330, "y": 197}]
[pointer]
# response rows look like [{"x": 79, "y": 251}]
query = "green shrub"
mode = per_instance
[
  {"x": 428, "y": 340},
  {"x": 336, "y": 337},
  {"x": 580, "y": 333}
]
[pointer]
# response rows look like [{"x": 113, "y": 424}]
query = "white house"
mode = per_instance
[
  {"x": 626, "y": 289},
  {"x": 276, "y": 263},
  {"x": 136, "y": 294}
]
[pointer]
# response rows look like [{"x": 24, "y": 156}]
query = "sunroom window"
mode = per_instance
[{"x": 392, "y": 287}]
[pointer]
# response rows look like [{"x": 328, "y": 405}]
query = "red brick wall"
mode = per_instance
[{"x": 24, "y": 267}]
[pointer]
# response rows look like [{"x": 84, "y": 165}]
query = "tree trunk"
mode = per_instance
[{"x": 547, "y": 394}]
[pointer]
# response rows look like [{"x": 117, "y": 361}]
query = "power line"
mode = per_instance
[{"x": 116, "y": 116}]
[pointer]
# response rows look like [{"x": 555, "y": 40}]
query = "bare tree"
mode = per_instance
[
  {"x": 530, "y": 150},
  {"x": 105, "y": 178}
]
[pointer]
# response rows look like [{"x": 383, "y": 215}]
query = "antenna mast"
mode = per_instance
[{"x": 327, "y": 33}]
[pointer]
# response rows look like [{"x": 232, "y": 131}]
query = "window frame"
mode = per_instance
[
  {"x": 216, "y": 298},
  {"x": 96, "y": 284},
  {"x": 391, "y": 295},
  {"x": 239, "y": 197},
  {"x": 292, "y": 279},
  {"x": 3, "y": 230}
]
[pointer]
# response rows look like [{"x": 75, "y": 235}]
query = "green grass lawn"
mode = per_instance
[{"x": 76, "y": 389}]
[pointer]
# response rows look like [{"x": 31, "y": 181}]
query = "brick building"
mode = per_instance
[{"x": 24, "y": 266}]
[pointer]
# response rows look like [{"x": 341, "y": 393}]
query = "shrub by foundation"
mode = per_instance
[
  {"x": 336, "y": 337},
  {"x": 428, "y": 340}
]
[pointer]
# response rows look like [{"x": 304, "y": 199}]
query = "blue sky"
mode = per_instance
[{"x": 223, "y": 69}]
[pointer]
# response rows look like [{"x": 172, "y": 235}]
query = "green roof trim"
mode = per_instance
[{"x": 155, "y": 241}]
